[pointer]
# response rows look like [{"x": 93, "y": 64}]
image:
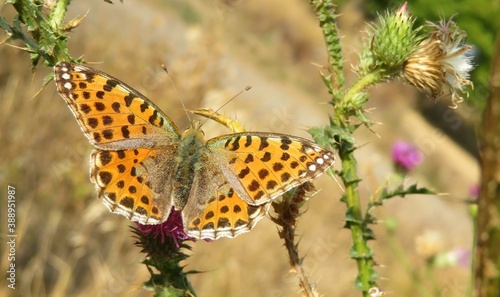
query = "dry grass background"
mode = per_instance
[{"x": 70, "y": 245}]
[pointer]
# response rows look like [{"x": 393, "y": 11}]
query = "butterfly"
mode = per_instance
[{"x": 143, "y": 166}]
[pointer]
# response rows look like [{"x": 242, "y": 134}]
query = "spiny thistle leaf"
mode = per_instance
[{"x": 402, "y": 191}]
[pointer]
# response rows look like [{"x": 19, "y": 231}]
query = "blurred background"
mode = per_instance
[{"x": 70, "y": 245}]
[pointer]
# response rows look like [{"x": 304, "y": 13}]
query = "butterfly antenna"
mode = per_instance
[
  {"x": 176, "y": 92},
  {"x": 214, "y": 113}
]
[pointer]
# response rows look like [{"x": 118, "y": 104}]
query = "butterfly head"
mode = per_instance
[
  {"x": 193, "y": 138},
  {"x": 193, "y": 130}
]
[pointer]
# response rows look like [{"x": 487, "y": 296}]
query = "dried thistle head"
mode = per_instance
[{"x": 440, "y": 64}]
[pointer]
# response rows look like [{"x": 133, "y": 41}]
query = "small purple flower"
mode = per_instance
[
  {"x": 463, "y": 257},
  {"x": 172, "y": 227},
  {"x": 474, "y": 191},
  {"x": 405, "y": 155}
]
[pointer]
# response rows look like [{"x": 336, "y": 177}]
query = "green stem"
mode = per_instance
[
  {"x": 360, "y": 86},
  {"x": 431, "y": 276},
  {"x": 58, "y": 12},
  {"x": 354, "y": 221},
  {"x": 345, "y": 105},
  {"x": 325, "y": 10}
]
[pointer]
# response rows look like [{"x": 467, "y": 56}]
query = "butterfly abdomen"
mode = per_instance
[{"x": 188, "y": 158}]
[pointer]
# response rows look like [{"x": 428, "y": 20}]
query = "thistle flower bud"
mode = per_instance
[
  {"x": 394, "y": 39},
  {"x": 440, "y": 65}
]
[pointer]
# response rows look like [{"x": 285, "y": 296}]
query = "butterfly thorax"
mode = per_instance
[{"x": 190, "y": 152}]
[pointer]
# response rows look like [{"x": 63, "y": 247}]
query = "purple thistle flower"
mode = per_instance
[
  {"x": 172, "y": 227},
  {"x": 463, "y": 257},
  {"x": 474, "y": 191},
  {"x": 405, "y": 155}
]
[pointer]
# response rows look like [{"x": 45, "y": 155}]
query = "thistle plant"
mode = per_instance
[
  {"x": 164, "y": 246},
  {"x": 431, "y": 58},
  {"x": 394, "y": 49}
]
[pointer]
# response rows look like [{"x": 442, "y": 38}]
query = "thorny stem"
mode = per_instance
[
  {"x": 288, "y": 211},
  {"x": 296, "y": 262},
  {"x": 354, "y": 218},
  {"x": 58, "y": 13},
  {"x": 325, "y": 9},
  {"x": 344, "y": 102}
]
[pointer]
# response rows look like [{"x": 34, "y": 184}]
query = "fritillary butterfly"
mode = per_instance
[{"x": 142, "y": 166}]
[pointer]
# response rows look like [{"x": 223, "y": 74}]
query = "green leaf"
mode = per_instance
[
  {"x": 355, "y": 255},
  {"x": 4, "y": 25},
  {"x": 43, "y": 40},
  {"x": 368, "y": 234},
  {"x": 401, "y": 191}
]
